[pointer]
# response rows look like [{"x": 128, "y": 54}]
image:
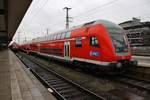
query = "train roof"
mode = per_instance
[
  {"x": 112, "y": 27},
  {"x": 109, "y": 25}
]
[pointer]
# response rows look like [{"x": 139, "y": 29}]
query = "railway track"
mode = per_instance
[
  {"x": 63, "y": 88},
  {"x": 128, "y": 80},
  {"x": 133, "y": 81}
]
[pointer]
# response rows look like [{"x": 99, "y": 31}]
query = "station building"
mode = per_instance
[{"x": 138, "y": 33}]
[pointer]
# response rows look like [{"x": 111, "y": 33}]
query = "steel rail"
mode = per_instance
[{"x": 62, "y": 87}]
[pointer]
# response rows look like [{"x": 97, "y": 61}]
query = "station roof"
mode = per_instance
[{"x": 11, "y": 14}]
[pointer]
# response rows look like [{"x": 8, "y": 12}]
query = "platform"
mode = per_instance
[
  {"x": 17, "y": 82},
  {"x": 143, "y": 60}
]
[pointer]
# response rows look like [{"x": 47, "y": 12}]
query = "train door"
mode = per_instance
[{"x": 67, "y": 50}]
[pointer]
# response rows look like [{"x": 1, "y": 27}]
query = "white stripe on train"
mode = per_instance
[{"x": 78, "y": 59}]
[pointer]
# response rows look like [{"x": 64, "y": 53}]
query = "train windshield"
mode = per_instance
[
  {"x": 119, "y": 42},
  {"x": 117, "y": 36}
]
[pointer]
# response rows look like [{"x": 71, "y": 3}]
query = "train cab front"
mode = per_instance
[
  {"x": 122, "y": 49},
  {"x": 122, "y": 57}
]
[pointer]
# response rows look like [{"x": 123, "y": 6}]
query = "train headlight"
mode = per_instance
[{"x": 119, "y": 65}]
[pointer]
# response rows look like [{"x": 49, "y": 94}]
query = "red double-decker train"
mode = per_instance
[
  {"x": 97, "y": 45},
  {"x": 14, "y": 46}
]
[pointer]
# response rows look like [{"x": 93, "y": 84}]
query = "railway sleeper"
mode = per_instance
[
  {"x": 55, "y": 82},
  {"x": 77, "y": 97},
  {"x": 72, "y": 94},
  {"x": 63, "y": 87},
  {"x": 70, "y": 90},
  {"x": 50, "y": 78},
  {"x": 46, "y": 74},
  {"x": 147, "y": 86},
  {"x": 140, "y": 83},
  {"x": 126, "y": 80},
  {"x": 43, "y": 74},
  {"x": 59, "y": 85}
]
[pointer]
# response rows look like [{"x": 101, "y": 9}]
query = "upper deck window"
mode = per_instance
[
  {"x": 68, "y": 34},
  {"x": 55, "y": 36},
  {"x": 51, "y": 37},
  {"x": 94, "y": 41},
  {"x": 63, "y": 35},
  {"x": 59, "y": 36},
  {"x": 78, "y": 42}
]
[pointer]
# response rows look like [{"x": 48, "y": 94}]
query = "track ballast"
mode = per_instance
[{"x": 61, "y": 87}]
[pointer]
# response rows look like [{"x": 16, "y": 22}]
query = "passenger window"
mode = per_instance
[
  {"x": 63, "y": 35},
  {"x": 78, "y": 42},
  {"x": 94, "y": 41},
  {"x": 55, "y": 36},
  {"x": 51, "y": 37},
  {"x": 68, "y": 34},
  {"x": 48, "y": 37},
  {"x": 59, "y": 36}
]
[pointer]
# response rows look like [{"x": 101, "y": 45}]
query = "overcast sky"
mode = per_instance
[{"x": 49, "y": 14}]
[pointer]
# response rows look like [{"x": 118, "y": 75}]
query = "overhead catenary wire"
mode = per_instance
[
  {"x": 81, "y": 14},
  {"x": 38, "y": 11},
  {"x": 43, "y": 5},
  {"x": 89, "y": 12},
  {"x": 93, "y": 9}
]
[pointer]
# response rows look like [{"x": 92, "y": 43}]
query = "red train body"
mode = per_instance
[
  {"x": 14, "y": 46},
  {"x": 100, "y": 43}
]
